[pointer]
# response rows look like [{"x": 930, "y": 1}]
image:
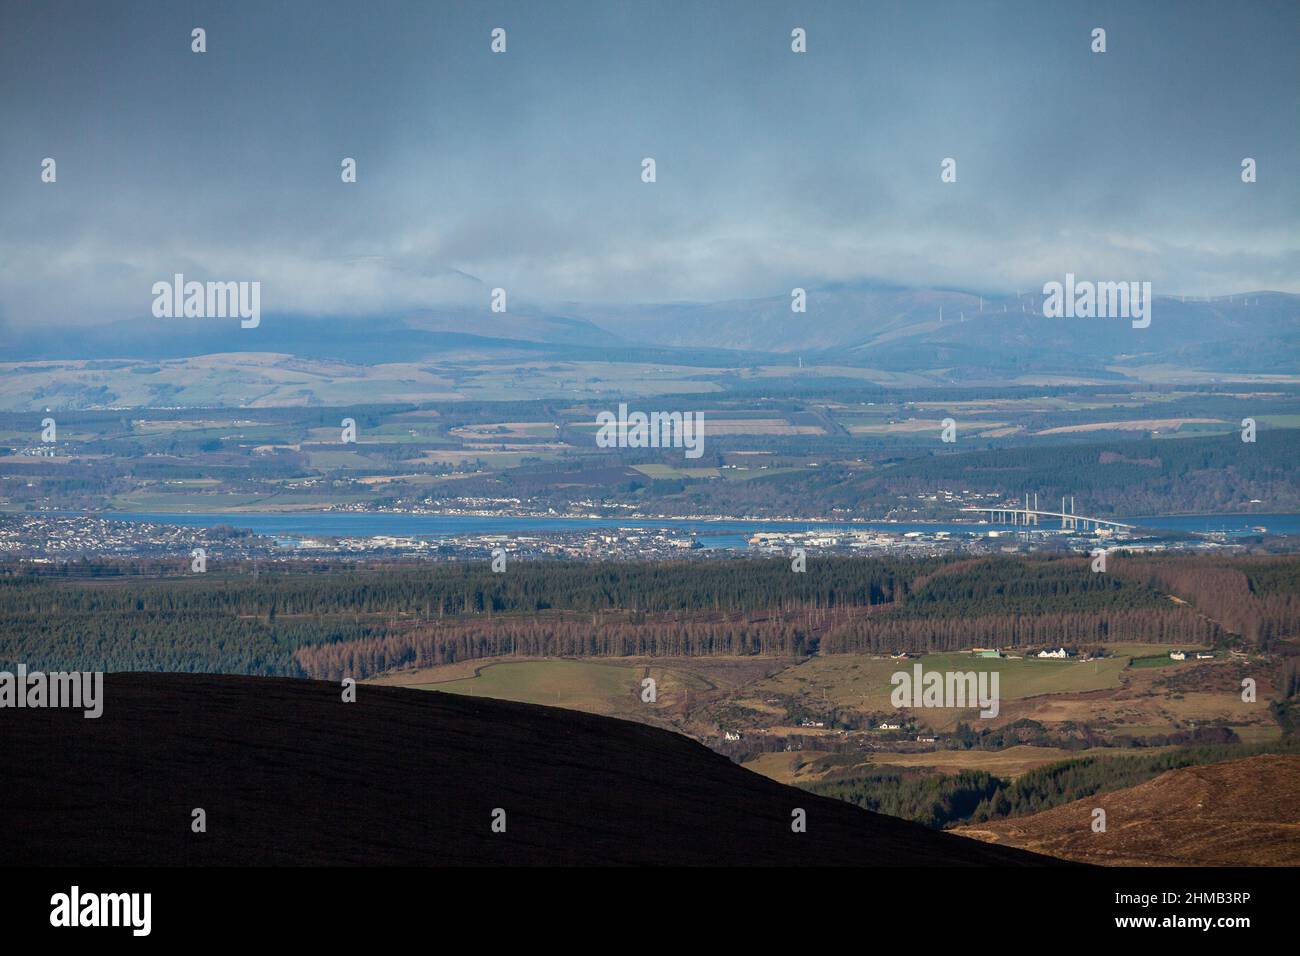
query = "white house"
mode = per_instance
[
  {"x": 1059, "y": 652},
  {"x": 1177, "y": 656}
]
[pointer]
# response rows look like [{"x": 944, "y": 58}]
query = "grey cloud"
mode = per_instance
[{"x": 523, "y": 170}]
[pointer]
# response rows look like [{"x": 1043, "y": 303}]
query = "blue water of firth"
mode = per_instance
[{"x": 729, "y": 533}]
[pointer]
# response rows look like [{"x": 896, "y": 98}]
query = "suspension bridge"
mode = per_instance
[{"x": 1030, "y": 516}]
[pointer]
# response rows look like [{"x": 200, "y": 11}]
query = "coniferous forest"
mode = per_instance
[{"x": 333, "y": 620}]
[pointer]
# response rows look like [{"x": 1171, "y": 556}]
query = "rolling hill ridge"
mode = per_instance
[{"x": 287, "y": 773}]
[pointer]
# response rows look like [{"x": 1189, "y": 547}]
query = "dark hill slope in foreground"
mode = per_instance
[{"x": 287, "y": 774}]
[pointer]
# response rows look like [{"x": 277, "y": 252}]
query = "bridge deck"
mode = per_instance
[{"x": 1065, "y": 516}]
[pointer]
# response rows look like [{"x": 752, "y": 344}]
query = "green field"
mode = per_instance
[
  {"x": 543, "y": 680},
  {"x": 578, "y": 685},
  {"x": 1033, "y": 676},
  {"x": 663, "y": 472},
  {"x": 863, "y": 683},
  {"x": 612, "y": 688},
  {"x": 1155, "y": 660}
]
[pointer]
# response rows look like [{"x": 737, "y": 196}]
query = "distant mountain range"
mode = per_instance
[
  {"x": 901, "y": 329},
  {"x": 962, "y": 334}
]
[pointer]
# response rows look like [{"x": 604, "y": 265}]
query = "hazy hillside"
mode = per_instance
[
  {"x": 361, "y": 340},
  {"x": 878, "y": 327},
  {"x": 896, "y": 328}
]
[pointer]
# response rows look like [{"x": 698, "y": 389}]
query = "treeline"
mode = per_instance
[
  {"x": 430, "y": 646},
  {"x": 881, "y": 634},
  {"x": 1071, "y": 736},
  {"x": 1286, "y": 709},
  {"x": 359, "y": 621},
  {"x": 1065, "y": 736},
  {"x": 1023, "y": 586},
  {"x": 1257, "y": 598},
  {"x": 181, "y": 641},
  {"x": 935, "y": 800},
  {"x": 454, "y": 589},
  {"x": 331, "y": 618},
  {"x": 1020, "y": 602},
  {"x": 944, "y": 800}
]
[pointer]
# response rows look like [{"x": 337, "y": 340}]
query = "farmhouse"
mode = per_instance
[
  {"x": 1177, "y": 656},
  {"x": 1059, "y": 652}
]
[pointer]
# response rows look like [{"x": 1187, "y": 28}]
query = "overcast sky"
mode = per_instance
[{"x": 523, "y": 170}]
